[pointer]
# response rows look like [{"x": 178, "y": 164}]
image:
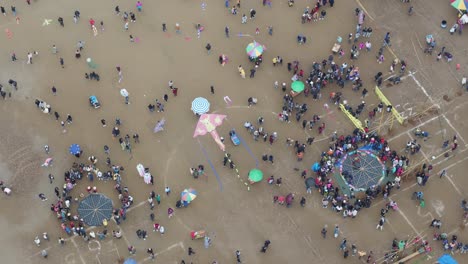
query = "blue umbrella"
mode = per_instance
[
  {"x": 75, "y": 149},
  {"x": 130, "y": 261},
  {"x": 316, "y": 167},
  {"x": 447, "y": 259},
  {"x": 200, "y": 105},
  {"x": 94, "y": 209}
]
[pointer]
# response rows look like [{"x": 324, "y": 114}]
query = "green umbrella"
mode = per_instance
[
  {"x": 255, "y": 175},
  {"x": 297, "y": 86}
]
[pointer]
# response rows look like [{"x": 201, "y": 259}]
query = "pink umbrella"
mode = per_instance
[{"x": 207, "y": 124}]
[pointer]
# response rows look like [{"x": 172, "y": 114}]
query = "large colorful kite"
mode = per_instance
[{"x": 207, "y": 124}]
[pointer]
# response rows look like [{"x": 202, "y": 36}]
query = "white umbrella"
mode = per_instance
[{"x": 124, "y": 92}]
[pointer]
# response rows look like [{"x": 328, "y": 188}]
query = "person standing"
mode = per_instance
[
  {"x": 212, "y": 89},
  {"x": 208, "y": 48},
  {"x": 226, "y": 31},
  {"x": 252, "y": 72},
  {"x": 443, "y": 173},
  {"x": 165, "y": 97},
  {"x": 57, "y": 192},
  {"x": 131, "y": 250},
  {"x": 119, "y": 71},
  {"x": 62, "y": 63},
  {"x": 150, "y": 252},
  {"x": 238, "y": 254},
  {"x": 139, "y": 6},
  {"x": 191, "y": 251},
  {"x": 346, "y": 253}
]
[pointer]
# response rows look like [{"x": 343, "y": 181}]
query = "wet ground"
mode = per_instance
[{"x": 234, "y": 217}]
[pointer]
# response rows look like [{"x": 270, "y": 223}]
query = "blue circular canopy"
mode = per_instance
[{"x": 75, "y": 149}]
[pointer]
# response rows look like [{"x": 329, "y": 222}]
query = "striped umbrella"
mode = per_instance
[
  {"x": 188, "y": 195},
  {"x": 254, "y": 49},
  {"x": 200, "y": 105},
  {"x": 459, "y": 4}
]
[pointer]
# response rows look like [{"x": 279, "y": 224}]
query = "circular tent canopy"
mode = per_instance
[
  {"x": 95, "y": 208},
  {"x": 200, "y": 105},
  {"x": 255, "y": 175},
  {"x": 361, "y": 169},
  {"x": 297, "y": 86}
]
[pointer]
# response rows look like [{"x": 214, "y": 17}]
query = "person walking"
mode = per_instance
[
  {"x": 324, "y": 231},
  {"x": 381, "y": 223},
  {"x": 265, "y": 246},
  {"x": 443, "y": 173},
  {"x": 51, "y": 178},
  {"x": 343, "y": 244},
  {"x": 158, "y": 199},
  {"x": 336, "y": 232},
  {"x": 238, "y": 254},
  {"x": 170, "y": 212}
]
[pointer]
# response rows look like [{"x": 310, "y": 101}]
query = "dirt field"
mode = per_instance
[{"x": 234, "y": 218}]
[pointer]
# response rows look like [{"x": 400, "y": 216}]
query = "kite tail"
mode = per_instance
[{"x": 211, "y": 165}]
